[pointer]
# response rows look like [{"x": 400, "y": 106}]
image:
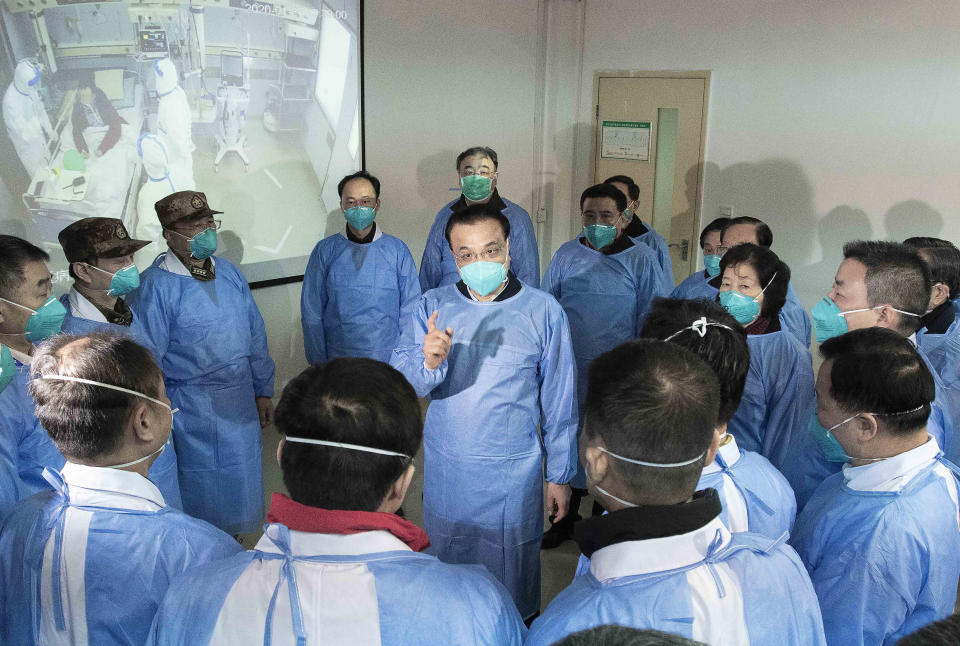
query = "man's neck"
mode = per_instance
[
  {"x": 471, "y": 202},
  {"x": 188, "y": 260},
  {"x": 17, "y": 342},
  {"x": 361, "y": 234},
  {"x": 492, "y": 295},
  {"x": 98, "y": 297},
  {"x": 889, "y": 447}
]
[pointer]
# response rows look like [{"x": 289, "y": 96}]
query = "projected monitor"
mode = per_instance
[{"x": 274, "y": 116}]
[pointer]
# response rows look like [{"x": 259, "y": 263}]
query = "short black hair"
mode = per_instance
[
  {"x": 614, "y": 635},
  {"x": 770, "y": 270},
  {"x": 653, "y": 401},
  {"x": 719, "y": 224},
  {"x": 726, "y": 351},
  {"x": 486, "y": 151},
  {"x": 896, "y": 275},
  {"x": 632, "y": 189},
  {"x": 604, "y": 190},
  {"x": 945, "y": 632},
  {"x": 355, "y": 401},
  {"x": 942, "y": 259},
  {"x": 876, "y": 370},
  {"x": 14, "y": 254},
  {"x": 360, "y": 174},
  {"x": 764, "y": 234},
  {"x": 474, "y": 214},
  {"x": 83, "y": 420}
]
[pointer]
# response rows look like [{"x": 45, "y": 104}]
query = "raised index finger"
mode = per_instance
[{"x": 432, "y": 322}]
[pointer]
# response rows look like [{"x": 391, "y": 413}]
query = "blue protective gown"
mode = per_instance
[
  {"x": 606, "y": 298},
  {"x": 510, "y": 369},
  {"x": 807, "y": 467},
  {"x": 34, "y": 450},
  {"x": 113, "y": 552},
  {"x": 438, "y": 268},
  {"x": 695, "y": 286},
  {"x": 355, "y": 297},
  {"x": 656, "y": 242},
  {"x": 943, "y": 356},
  {"x": 883, "y": 562},
  {"x": 777, "y": 396},
  {"x": 212, "y": 346},
  {"x": 793, "y": 317},
  {"x": 163, "y": 471},
  {"x": 743, "y": 587},
  {"x": 10, "y": 484},
  {"x": 419, "y": 600}
]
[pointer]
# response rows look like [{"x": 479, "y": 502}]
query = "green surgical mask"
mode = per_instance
[{"x": 476, "y": 188}]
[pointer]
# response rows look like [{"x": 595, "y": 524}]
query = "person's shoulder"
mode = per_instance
[
  {"x": 513, "y": 208},
  {"x": 195, "y": 531},
  {"x": 569, "y": 248},
  {"x": 27, "y": 511},
  {"x": 442, "y": 293},
  {"x": 783, "y": 341},
  {"x": 444, "y": 213},
  {"x": 393, "y": 243}
]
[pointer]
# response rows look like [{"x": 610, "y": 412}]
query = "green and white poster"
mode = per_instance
[{"x": 625, "y": 140}]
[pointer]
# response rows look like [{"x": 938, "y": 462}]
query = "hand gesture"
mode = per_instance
[{"x": 436, "y": 343}]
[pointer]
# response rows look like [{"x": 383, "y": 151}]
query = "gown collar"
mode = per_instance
[
  {"x": 646, "y": 522},
  {"x": 174, "y": 265},
  {"x": 334, "y": 524},
  {"x": 892, "y": 474},
  {"x": 727, "y": 456},
  {"x": 374, "y": 235},
  {"x": 114, "y": 488}
]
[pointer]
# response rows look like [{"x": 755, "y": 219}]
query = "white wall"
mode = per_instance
[{"x": 829, "y": 120}]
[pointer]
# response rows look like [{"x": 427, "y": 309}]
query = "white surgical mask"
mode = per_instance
[{"x": 656, "y": 465}]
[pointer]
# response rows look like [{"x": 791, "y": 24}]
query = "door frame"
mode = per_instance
[{"x": 659, "y": 74}]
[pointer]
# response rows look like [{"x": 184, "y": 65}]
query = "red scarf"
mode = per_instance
[
  {"x": 759, "y": 326},
  {"x": 303, "y": 518}
]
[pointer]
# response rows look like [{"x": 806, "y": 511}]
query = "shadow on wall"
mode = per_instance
[
  {"x": 842, "y": 224},
  {"x": 912, "y": 218}
]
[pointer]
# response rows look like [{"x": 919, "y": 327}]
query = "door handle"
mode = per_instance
[{"x": 684, "y": 246}]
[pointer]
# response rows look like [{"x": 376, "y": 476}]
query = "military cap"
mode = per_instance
[
  {"x": 97, "y": 238},
  {"x": 182, "y": 205}
]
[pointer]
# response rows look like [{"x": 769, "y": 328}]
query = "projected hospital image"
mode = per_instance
[{"x": 257, "y": 104}]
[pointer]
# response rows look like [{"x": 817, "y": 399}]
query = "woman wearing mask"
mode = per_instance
[{"x": 779, "y": 393}]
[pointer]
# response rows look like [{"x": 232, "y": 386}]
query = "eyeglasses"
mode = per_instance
[
  {"x": 721, "y": 250},
  {"x": 199, "y": 226},
  {"x": 609, "y": 218},
  {"x": 493, "y": 254},
  {"x": 483, "y": 172},
  {"x": 368, "y": 202}
]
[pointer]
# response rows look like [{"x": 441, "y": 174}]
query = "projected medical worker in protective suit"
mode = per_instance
[
  {"x": 173, "y": 120},
  {"x": 162, "y": 180},
  {"x": 25, "y": 118}
]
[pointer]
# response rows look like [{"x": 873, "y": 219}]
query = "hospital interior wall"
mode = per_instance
[{"x": 831, "y": 121}]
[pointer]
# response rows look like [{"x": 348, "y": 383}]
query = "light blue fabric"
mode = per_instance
[
  {"x": 420, "y": 600},
  {"x": 793, "y": 317},
  {"x": 771, "y": 506},
  {"x": 883, "y": 563},
  {"x": 606, "y": 298},
  {"x": 695, "y": 286},
  {"x": 356, "y": 296},
  {"x": 131, "y": 558},
  {"x": 163, "y": 471},
  {"x": 943, "y": 355},
  {"x": 511, "y": 368},
  {"x": 212, "y": 345},
  {"x": 438, "y": 267},
  {"x": 807, "y": 467},
  {"x": 779, "y": 603},
  {"x": 656, "y": 242},
  {"x": 10, "y": 484},
  {"x": 34, "y": 448},
  {"x": 777, "y": 396}
]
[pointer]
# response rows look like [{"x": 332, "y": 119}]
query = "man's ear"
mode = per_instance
[
  {"x": 940, "y": 294},
  {"x": 141, "y": 424},
  {"x": 867, "y": 427},
  {"x": 888, "y": 317},
  {"x": 718, "y": 432},
  {"x": 597, "y": 463},
  {"x": 283, "y": 443},
  {"x": 82, "y": 272}
]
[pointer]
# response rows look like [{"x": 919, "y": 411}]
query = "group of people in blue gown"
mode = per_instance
[{"x": 739, "y": 494}]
